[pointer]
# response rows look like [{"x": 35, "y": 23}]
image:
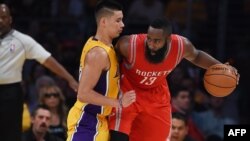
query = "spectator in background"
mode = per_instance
[
  {"x": 181, "y": 102},
  {"x": 179, "y": 131},
  {"x": 32, "y": 95},
  {"x": 26, "y": 118},
  {"x": 40, "y": 119},
  {"x": 15, "y": 48},
  {"x": 212, "y": 121},
  {"x": 200, "y": 101},
  {"x": 176, "y": 77},
  {"x": 53, "y": 97}
]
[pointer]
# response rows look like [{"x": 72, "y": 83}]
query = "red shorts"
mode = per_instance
[{"x": 148, "y": 119}]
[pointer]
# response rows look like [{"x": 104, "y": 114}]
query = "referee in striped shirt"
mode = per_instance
[{"x": 15, "y": 48}]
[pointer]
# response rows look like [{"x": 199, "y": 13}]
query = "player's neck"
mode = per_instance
[{"x": 104, "y": 38}]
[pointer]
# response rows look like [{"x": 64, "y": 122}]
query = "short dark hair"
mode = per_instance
[
  {"x": 162, "y": 23},
  {"x": 175, "y": 92},
  {"x": 40, "y": 106},
  {"x": 106, "y": 7},
  {"x": 180, "y": 116}
]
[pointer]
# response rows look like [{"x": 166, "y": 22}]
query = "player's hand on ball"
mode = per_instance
[
  {"x": 127, "y": 98},
  {"x": 220, "y": 80},
  {"x": 235, "y": 71}
]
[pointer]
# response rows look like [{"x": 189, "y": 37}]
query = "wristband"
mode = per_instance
[{"x": 120, "y": 102}]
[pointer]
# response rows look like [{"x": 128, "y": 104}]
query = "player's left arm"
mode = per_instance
[{"x": 198, "y": 57}]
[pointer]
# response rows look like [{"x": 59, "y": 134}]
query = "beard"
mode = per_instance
[{"x": 156, "y": 56}]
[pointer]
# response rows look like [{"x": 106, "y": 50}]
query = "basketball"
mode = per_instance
[{"x": 220, "y": 80}]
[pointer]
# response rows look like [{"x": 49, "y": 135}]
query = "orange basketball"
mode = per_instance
[{"x": 220, "y": 80}]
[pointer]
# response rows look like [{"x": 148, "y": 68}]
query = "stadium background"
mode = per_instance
[{"x": 220, "y": 27}]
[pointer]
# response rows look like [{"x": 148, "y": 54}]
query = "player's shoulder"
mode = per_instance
[
  {"x": 141, "y": 37},
  {"x": 97, "y": 56},
  {"x": 131, "y": 36},
  {"x": 124, "y": 38},
  {"x": 98, "y": 51},
  {"x": 177, "y": 37},
  {"x": 123, "y": 41}
]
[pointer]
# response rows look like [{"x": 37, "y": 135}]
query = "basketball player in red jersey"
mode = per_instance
[{"x": 147, "y": 59}]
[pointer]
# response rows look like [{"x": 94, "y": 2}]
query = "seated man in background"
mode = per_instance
[
  {"x": 181, "y": 102},
  {"x": 40, "y": 119},
  {"x": 179, "y": 131},
  {"x": 211, "y": 122}
]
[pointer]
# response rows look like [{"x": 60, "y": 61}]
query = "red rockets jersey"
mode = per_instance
[{"x": 143, "y": 74}]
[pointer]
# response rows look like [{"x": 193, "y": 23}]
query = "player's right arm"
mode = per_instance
[
  {"x": 96, "y": 62},
  {"x": 198, "y": 57}
]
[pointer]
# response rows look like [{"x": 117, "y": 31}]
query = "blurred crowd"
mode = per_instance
[{"x": 62, "y": 27}]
